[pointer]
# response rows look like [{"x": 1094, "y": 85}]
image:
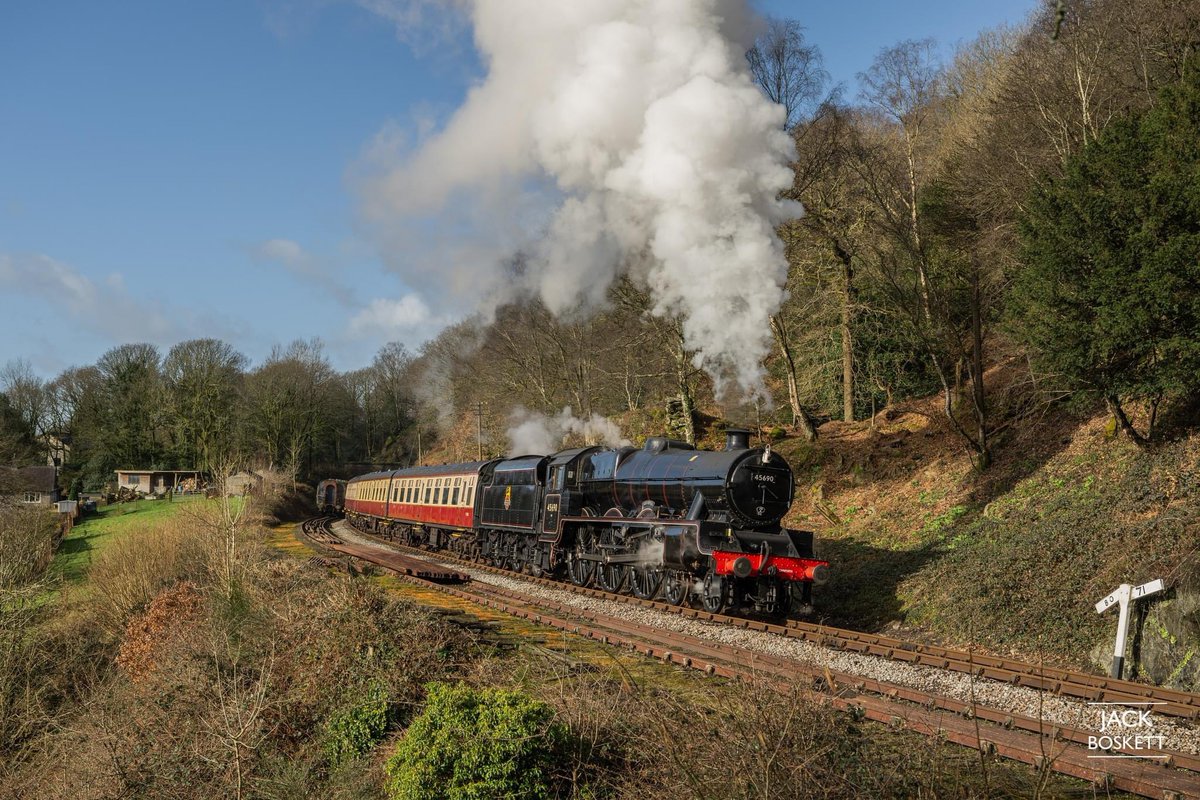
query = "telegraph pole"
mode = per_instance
[{"x": 479, "y": 430}]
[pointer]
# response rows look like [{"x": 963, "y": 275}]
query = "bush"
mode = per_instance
[
  {"x": 353, "y": 731},
  {"x": 473, "y": 744},
  {"x": 133, "y": 568},
  {"x": 26, "y": 542}
]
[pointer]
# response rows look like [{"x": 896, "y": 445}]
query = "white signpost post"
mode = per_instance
[{"x": 1124, "y": 595}]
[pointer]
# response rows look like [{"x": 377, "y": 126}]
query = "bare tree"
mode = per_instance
[
  {"x": 27, "y": 396},
  {"x": 788, "y": 70}
]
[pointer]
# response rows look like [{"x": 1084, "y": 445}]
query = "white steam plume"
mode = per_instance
[
  {"x": 534, "y": 433},
  {"x": 608, "y": 136}
]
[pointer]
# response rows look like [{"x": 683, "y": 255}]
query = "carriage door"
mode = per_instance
[{"x": 553, "y": 507}]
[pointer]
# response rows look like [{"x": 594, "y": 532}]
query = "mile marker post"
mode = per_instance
[{"x": 1125, "y": 594}]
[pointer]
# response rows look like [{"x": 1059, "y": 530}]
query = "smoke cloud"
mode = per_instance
[
  {"x": 533, "y": 433},
  {"x": 608, "y": 137}
]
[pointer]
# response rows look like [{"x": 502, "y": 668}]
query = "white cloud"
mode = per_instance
[
  {"x": 284, "y": 251},
  {"x": 324, "y": 274},
  {"x": 106, "y": 308},
  {"x": 399, "y": 319}
]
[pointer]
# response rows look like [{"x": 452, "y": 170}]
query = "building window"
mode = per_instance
[
  {"x": 33, "y": 497},
  {"x": 134, "y": 480}
]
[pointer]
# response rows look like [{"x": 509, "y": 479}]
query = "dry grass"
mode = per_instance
[
  {"x": 26, "y": 541},
  {"x": 131, "y": 570}
]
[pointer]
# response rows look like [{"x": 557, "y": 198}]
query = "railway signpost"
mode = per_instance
[{"x": 1124, "y": 595}]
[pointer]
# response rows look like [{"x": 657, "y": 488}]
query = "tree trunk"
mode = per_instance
[
  {"x": 1114, "y": 407},
  {"x": 847, "y": 331},
  {"x": 800, "y": 419},
  {"x": 977, "y": 389},
  {"x": 687, "y": 404}
]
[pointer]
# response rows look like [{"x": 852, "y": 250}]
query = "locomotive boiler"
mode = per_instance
[{"x": 662, "y": 521}]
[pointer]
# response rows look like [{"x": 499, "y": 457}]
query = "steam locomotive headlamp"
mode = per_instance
[{"x": 767, "y": 453}]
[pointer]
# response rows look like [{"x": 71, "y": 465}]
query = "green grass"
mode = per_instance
[{"x": 91, "y": 535}]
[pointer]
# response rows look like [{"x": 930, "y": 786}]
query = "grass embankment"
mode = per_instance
[
  {"x": 94, "y": 532},
  {"x": 1012, "y": 558}
]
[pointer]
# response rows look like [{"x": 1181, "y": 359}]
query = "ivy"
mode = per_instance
[{"x": 353, "y": 731}]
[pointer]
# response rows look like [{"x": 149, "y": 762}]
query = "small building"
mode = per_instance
[
  {"x": 58, "y": 447},
  {"x": 32, "y": 485},
  {"x": 242, "y": 483},
  {"x": 158, "y": 481}
]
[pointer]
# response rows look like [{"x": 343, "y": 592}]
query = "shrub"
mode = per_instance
[
  {"x": 26, "y": 541},
  {"x": 133, "y": 568},
  {"x": 473, "y": 744},
  {"x": 353, "y": 731}
]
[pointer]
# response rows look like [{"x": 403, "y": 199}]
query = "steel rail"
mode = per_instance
[{"x": 1056, "y": 680}]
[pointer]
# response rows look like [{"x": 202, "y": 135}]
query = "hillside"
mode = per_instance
[{"x": 1011, "y": 559}]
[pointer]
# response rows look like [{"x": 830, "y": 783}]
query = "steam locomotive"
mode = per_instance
[{"x": 663, "y": 521}]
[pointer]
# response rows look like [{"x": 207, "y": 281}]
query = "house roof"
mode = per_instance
[{"x": 34, "y": 479}]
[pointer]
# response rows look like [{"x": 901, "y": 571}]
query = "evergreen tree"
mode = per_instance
[{"x": 1109, "y": 297}]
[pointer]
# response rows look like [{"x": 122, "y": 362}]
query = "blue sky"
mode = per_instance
[{"x": 170, "y": 170}]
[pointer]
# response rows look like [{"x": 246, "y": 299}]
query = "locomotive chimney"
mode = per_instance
[{"x": 737, "y": 439}]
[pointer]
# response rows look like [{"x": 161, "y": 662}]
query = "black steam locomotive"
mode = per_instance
[{"x": 666, "y": 520}]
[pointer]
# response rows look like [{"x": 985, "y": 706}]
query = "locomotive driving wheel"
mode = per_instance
[
  {"x": 714, "y": 595},
  {"x": 675, "y": 587},
  {"x": 645, "y": 583},
  {"x": 580, "y": 571},
  {"x": 610, "y": 577}
]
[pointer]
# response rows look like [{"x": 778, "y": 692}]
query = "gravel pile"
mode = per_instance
[{"x": 1180, "y": 735}]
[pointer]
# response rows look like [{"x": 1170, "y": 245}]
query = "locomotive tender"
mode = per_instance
[{"x": 666, "y": 520}]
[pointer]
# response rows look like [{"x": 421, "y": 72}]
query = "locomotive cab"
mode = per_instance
[{"x": 562, "y": 497}]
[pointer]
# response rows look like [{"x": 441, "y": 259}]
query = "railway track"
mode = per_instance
[
  {"x": 319, "y": 530},
  {"x": 1062, "y": 682},
  {"x": 1059, "y": 748}
]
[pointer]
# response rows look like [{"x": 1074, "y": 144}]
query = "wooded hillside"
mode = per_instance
[{"x": 1035, "y": 197}]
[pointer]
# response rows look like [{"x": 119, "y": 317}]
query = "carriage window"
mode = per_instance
[
  {"x": 454, "y": 497},
  {"x": 428, "y": 491},
  {"x": 470, "y": 494}
]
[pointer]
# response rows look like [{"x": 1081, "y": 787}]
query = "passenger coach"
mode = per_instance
[{"x": 442, "y": 497}]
